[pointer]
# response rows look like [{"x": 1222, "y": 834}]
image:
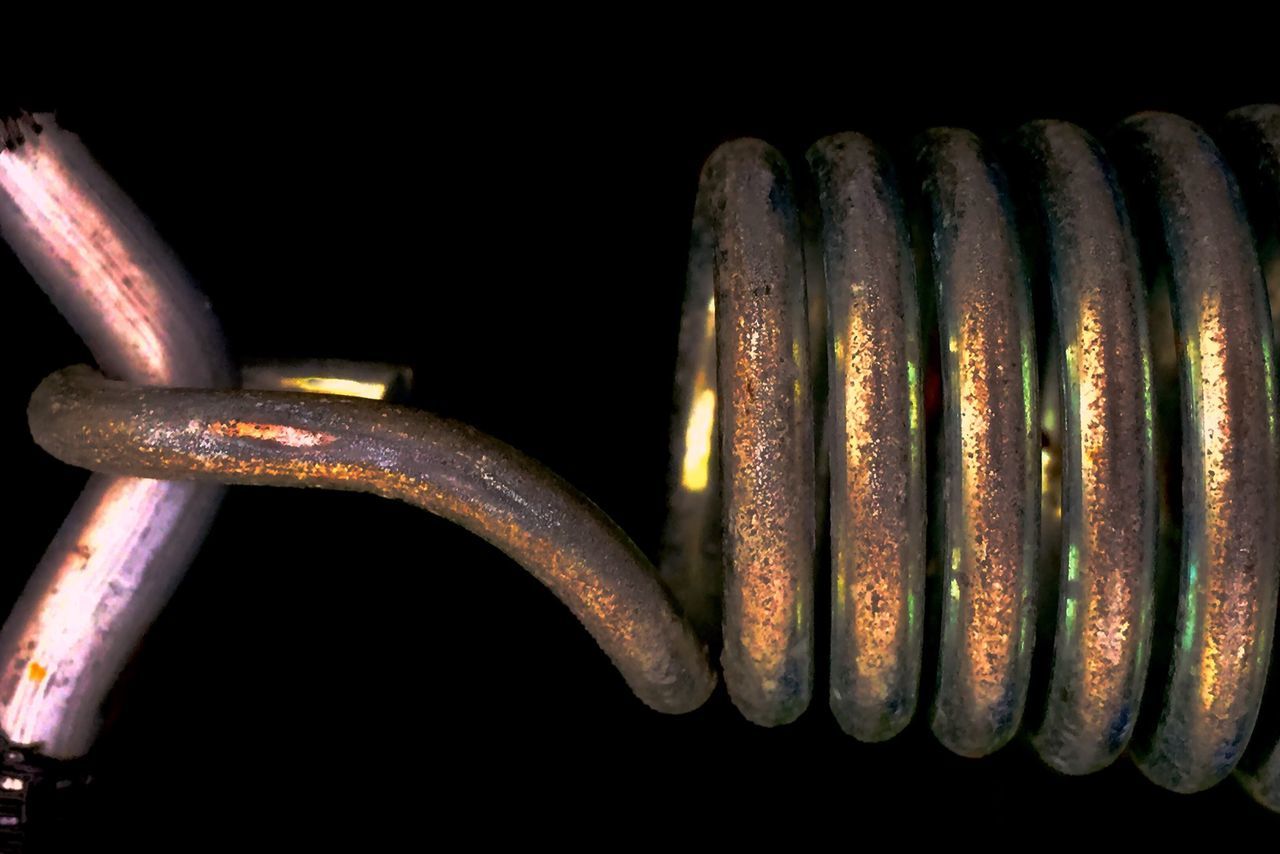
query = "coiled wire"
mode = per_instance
[
  {"x": 1061, "y": 494},
  {"x": 1052, "y": 208}
]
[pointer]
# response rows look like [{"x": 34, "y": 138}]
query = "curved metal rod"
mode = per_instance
[
  {"x": 876, "y": 440},
  {"x": 1230, "y": 453},
  {"x": 442, "y": 466},
  {"x": 1253, "y": 133},
  {"x": 125, "y": 543},
  {"x": 991, "y": 450},
  {"x": 766, "y": 429},
  {"x": 691, "y": 562},
  {"x": 1254, "y": 136},
  {"x": 1108, "y": 501}
]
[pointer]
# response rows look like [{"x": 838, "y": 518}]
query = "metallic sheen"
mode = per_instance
[
  {"x": 125, "y": 543},
  {"x": 1230, "y": 458},
  {"x": 1253, "y": 133},
  {"x": 991, "y": 458},
  {"x": 1075, "y": 479},
  {"x": 1108, "y": 500},
  {"x": 370, "y": 380},
  {"x": 766, "y": 431},
  {"x": 691, "y": 562},
  {"x": 876, "y": 440},
  {"x": 446, "y": 468}
]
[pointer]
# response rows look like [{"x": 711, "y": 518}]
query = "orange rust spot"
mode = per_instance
[
  {"x": 279, "y": 433},
  {"x": 36, "y": 673}
]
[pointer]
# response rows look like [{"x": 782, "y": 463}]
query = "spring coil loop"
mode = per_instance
[{"x": 746, "y": 409}]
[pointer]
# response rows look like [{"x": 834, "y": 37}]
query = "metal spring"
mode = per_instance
[
  {"x": 745, "y": 472},
  {"x": 1089, "y": 451}
]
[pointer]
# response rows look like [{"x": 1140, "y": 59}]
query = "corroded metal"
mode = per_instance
[
  {"x": 1254, "y": 136},
  {"x": 876, "y": 440},
  {"x": 1075, "y": 477},
  {"x": 766, "y": 431},
  {"x": 442, "y": 466},
  {"x": 1230, "y": 454},
  {"x": 1108, "y": 498},
  {"x": 125, "y": 543},
  {"x": 991, "y": 453}
]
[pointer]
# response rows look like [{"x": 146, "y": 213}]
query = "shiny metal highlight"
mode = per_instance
[
  {"x": 991, "y": 457},
  {"x": 766, "y": 431},
  {"x": 1231, "y": 459},
  {"x": 125, "y": 544},
  {"x": 1108, "y": 500},
  {"x": 1253, "y": 134},
  {"x": 369, "y": 380},
  {"x": 876, "y": 440},
  {"x": 742, "y": 477},
  {"x": 446, "y": 468}
]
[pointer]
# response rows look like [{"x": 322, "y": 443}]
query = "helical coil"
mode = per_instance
[
  {"x": 1039, "y": 379},
  {"x": 946, "y": 281}
]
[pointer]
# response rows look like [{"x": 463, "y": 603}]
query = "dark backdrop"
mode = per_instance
[{"x": 337, "y": 667}]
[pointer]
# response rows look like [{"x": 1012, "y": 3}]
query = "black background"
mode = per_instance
[{"x": 337, "y": 668}]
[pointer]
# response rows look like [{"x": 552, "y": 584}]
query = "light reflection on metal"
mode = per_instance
[
  {"x": 766, "y": 428},
  {"x": 697, "y": 440},
  {"x": 1253, "y": 134},
  {"x": 700, "y": 430},
  {"x": 124, "y": 545},
  {"x": 742, "y": 432},
  {"x": 876, "y": 439},
  {"x": 446, "y": 468},
  {"x": 368, "y": 380},
  {"x": 1231, "y": 459},
  {"x": 1105, "y": 511},
  {"x": 991, "y": 458},
  {"x": 690, "y": 562}
]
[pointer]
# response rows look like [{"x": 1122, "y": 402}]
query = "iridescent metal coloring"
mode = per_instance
[{"x": 1025, "y": 472}]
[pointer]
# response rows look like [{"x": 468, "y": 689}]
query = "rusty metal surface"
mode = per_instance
[
  {"x": 1108, "y": 502},
  {"x": 1254, "y": 135},
  {"x": 125, "y": 543},
  {"x": 991, "y": 457},
  {"x": 1230, "y": 459},
  {"x": 766, "y": 431},
  {"x": 442, "y": 466},
  {"x": 876, "y": 440},
  {"x": 691, "y": 546},
  {"x": 1070, "y": 480}
]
